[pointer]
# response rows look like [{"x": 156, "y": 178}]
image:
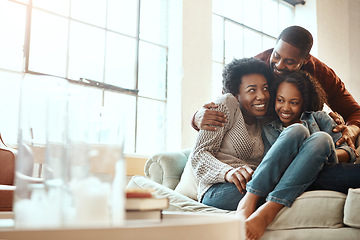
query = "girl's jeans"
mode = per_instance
[{"x": 290, "y": 166}]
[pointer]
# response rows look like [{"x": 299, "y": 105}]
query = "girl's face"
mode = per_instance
[
  {"x": 253, "y": 96},
  {"x": 289, "y": 103}
]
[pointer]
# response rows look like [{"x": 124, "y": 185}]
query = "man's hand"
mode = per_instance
[
  {"x": 337, "y": 118},
  {"x": 205, "y": 117},
  {"x": 349, "y": 135},
  {"x": 240, "y": 176},
  {"x": 349, "y": 132}
]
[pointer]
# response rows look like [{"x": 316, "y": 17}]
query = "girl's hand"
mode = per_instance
[{"x": 240, "y": 176}]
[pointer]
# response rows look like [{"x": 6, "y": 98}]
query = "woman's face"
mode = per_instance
[
  {"x": 289, "y": 103},
  {"x": 253, "y": 96}
]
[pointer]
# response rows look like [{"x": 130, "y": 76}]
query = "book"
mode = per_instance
[
  {"x": 139, "y": 193},
  {"x": 145, "y": 215},
  {"x": 146, "y": 203}
]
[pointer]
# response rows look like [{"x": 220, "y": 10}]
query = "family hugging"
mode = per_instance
[{"x": 265, "y": 140}]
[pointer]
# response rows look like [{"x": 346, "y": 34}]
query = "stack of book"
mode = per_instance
[{"x": 142, "y": 205}]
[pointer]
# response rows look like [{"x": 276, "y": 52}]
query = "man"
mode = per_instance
[{"x": 290, "y": 53}]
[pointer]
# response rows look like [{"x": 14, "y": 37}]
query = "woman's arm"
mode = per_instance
[{"x": 206, "y": 166}]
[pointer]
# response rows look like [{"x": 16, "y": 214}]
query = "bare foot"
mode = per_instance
[
  {"x": 257, "y": 223},
  {"x": 247, "y": 205}
]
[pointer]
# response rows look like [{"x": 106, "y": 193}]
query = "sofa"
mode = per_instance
[{"x": 314, "y": 215}]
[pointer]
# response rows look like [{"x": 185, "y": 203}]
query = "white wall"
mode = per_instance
[
  {"x": 338, "y": 24},
  {"x": 197, "y": 63}
]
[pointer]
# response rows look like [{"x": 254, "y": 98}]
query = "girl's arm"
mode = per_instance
[{"x": 343, "y": 156}]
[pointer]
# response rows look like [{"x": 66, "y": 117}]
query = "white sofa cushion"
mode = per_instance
[
  {"x": 313, "y": 209},
  {"x": 352, "y": 208},
  {"x": 188, "y": 183}
]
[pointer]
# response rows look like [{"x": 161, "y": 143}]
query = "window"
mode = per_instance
[
  {"x": 116, "y": 65},
  {"x": 244, "y": 28}
]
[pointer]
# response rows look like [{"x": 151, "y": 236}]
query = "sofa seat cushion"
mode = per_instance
[
  {"x": 313, "y": 209},
  {"x": 177, "y": 201}
]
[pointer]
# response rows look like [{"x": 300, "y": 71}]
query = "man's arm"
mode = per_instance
[
  {"x": 339, "y": 99},
  {"x": 207, "y": 118}
]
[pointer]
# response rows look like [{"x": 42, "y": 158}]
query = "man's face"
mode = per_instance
[{"x": 285, "y": 58}]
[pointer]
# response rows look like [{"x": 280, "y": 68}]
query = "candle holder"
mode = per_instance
[
  {"x": 41, "y": 143},
  {"x": 78, "y": 153}
]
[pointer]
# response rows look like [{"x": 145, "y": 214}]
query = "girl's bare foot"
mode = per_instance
[
  {"x": 257, "y": 223},
  {"x": 247, "y": 205}
]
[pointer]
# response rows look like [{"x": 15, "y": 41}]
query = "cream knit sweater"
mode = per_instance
[{"x": 231, "y": 146}]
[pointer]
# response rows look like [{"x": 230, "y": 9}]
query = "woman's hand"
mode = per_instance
[
  {"x": 239, "y": 176},
  {"x": 206, "y": 119}
]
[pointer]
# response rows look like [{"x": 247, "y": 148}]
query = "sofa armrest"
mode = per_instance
[{"x": 166, "y": 168}]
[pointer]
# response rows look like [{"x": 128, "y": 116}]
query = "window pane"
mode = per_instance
[
  {"x": 48, "y": 44},
  {"x": 84, "y": 104},
  {"x": 152, "y": 71},
  {"x": 120, "y": 12},
  {"x": 10, "y": 90},
  {"x": 150, "y": 127},
  {"x": 252, "y": 43},
  {"x": 233, "y": 10},
  {"x": 12, "y": 31},
  {"x": 268, "y": 43},
  {"x": 270, "y": 17},
  {"x": 233, "y": 41},
  {"x": 57, "y": 6},
  {"x": 153, "y": 21},
  {"x": 86, "y": 54},
  {"x": 120, "y": 60},
  {"x": 125, "y": 105},
  {"x": 252, "y": 13},
  {"x": 89, "y": 11},
  {"x": 218, "y": 7},
  {"x": 286, "y": 16},
  {"x": 217, "y": 38},
  {"x": 41, "y": 96},
  {"x": 217, "y": 80}
]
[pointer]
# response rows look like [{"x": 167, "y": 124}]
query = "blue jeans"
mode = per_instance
[
  {"x": 338, "y": 177},
  {"x": 224, "y": 196},
  {"x": 292, "y": 164},
  {"x": 288, "y": 169}
]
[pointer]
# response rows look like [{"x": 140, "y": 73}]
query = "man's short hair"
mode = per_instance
[{"x": 299, "y": 37}]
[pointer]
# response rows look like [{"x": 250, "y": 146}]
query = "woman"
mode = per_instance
[{"x": 224, "y": 160}]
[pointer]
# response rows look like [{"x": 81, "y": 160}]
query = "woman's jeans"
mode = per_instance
[{"x": 290, "y": 166}]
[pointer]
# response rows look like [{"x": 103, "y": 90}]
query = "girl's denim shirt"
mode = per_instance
[{"x": 314, "y": 121}]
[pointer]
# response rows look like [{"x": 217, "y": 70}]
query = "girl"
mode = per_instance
[{"x": 301, "y": 140}]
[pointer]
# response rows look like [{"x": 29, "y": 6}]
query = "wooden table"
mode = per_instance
[{"x": 174, "y": 226}]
